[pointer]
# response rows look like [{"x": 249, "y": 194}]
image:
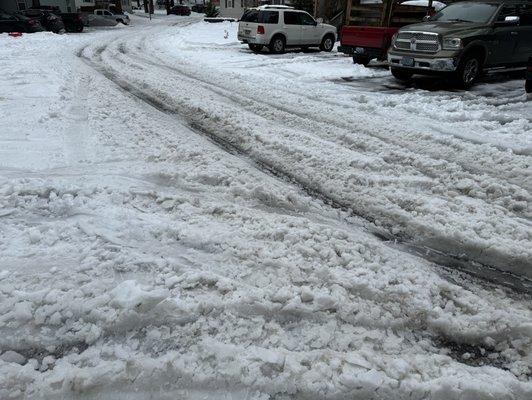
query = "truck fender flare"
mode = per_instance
[{"x": 477, "y": 45}]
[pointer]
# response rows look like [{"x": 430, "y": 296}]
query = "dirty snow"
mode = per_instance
[{"x": 154, "y": 242}]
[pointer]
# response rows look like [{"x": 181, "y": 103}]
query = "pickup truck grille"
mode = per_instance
[{"x": 425, "y": 42}]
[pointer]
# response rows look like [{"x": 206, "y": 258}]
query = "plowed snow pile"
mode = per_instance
[{"x": 142, "y": 258}]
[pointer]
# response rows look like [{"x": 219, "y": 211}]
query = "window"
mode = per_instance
[
  {"x": 506, "y": 11},
  {"x": 291, "y": 18},
  {"x": 99, "y": 13},
  {"x": 269, "y": 17},
  {"x": 525, "y": 15},
  {"x": 306, "y": 19},
  {"x": 21, "y": 6},
  {"x": 250, "y": 16},
  {"x": 467, "y": 11}
]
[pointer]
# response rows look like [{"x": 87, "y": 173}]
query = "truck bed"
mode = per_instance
[
  {"x": 375, "y": 37},
  {"x": 366, "y": 42}
]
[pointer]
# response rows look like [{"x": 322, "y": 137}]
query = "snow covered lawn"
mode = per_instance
[{"x": 166, "y": 228}]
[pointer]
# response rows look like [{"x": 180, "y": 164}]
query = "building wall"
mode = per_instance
[
  {"x": 11, "y": 6},
  {"x": 235, "y": 8}
]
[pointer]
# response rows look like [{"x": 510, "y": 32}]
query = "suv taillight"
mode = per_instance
[{"x": 260, "y": 30}]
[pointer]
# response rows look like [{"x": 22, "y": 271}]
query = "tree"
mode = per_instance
[
  {"x": 306, "y": 5},
  {"x": 211, "y": 10}
]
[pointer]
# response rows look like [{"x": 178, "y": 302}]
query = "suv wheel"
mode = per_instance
[
  {"x": 468, "y": 71},
  {"x": 327, "y": 43},
  {"x": 277, "y": 45},
  {"x": 255, "y": 47},
  {"x": 401, "y": 74}
]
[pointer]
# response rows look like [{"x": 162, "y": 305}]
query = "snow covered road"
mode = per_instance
[
  {"x": 167, "y": 229},
  {"x": 435, "y": 171}
]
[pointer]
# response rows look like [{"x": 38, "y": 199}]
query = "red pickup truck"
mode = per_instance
[
  {"x": 370, "y": 27},
  {"x": 365, "y": 43}
]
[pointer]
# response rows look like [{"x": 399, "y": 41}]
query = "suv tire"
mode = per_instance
[
  {"x": 469, "y": 69},
  {"x": 277, "y": 45},
  {"x": 255, "y": 47},
  {"x": 327, "y": 43},
  {"x": 401, "y": 74}
]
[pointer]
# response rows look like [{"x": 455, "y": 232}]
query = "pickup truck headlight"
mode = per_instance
[{"x": 450, "y": 43}]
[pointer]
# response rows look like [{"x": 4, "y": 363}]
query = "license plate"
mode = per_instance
[
  {"x": 247, "y": 31},
  {"x": 360, "y": 50},
  {"x": 407, "y": 61}
]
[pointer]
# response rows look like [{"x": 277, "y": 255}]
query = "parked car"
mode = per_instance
[
  {"x": 73, "y": 21},
  {"x": 199, "y": 8},
  {"x": 110, "y": 16},
  {"x": 371, "y": 26},
  {"x": 19, "y": 23},
  {"x": 279, "y": 27},
  {"x": 528, "y": 82},
  {"x": 49, "y": 20},
  {"x": 179, "y": 10},
  {"x": 464, "y": 39}
]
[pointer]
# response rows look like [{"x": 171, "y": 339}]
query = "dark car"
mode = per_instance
[
  {"x": 18, "y": 23},
  {"x": 464, "y": 39},
  {"x": 179, "y": 10},
  {"x": 73, "y": 21},
  {"x": 49, "y": 20},
  {"x": 199, "y": 8},
  {"x": 528, "y": 82}
]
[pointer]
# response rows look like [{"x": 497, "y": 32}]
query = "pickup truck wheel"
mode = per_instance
[
  {"x": 362, "y": 60},
  {"x": 255, "y": 47},
  {"x": 401, "y": 74},
  {"x": 528, "y": 86},
  {"x": 277, "y": 45},
  {"x": 327, "y": 43},
  {"x": 468, "y": 71}
]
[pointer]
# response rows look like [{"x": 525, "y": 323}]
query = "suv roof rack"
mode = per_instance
[{"x": 273, "y": 7}]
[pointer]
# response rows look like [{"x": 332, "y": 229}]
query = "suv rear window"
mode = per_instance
[
  {"x": 250, "y": 16},
  {"x": 263, "y": 17},
  {"x": 269, "y": 17}
]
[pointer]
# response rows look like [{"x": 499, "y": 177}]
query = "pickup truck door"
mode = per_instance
[
  {"x": 506, "y": 37},
  {"x": 524, "y": 45},
  {"x": 310, "y": 32},
  {"x": 292, "y": 27}
]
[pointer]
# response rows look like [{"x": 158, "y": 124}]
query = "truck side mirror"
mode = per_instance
[
  {"x": 510, "y": 20},
  {"x": 319, "y": 20},
  {"x": 426, "y": 18}
]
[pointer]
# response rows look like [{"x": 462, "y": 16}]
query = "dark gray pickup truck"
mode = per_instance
[{"x": 464, "y": 39}]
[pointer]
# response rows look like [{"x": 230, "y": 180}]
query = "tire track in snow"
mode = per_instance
[{"x": 445, "y": 260}]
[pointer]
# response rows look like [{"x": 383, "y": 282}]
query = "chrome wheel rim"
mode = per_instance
[
  {"x": 328, "y": 44},
  {"x": 470, "y": 70},
  {"x": 278, "y": 45}
]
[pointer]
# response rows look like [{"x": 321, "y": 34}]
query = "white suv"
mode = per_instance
[{"x": 279, "y": 27}]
